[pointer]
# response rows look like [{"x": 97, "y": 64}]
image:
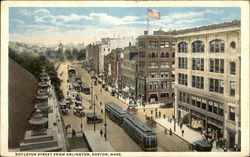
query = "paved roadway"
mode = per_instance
[{"x": 115, "y": 134}]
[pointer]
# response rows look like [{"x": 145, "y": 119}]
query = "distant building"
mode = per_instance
[
  {"x": 130, "y": 69},
  {"x": 93, "y": 52},
  {"x": 207, "y": 78},
  {"x": 108, "y": 44},
  {"x": 156, "y": 62}
]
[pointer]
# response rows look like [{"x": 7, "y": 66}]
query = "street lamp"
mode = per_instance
[
  {"x": 81, "y": 121},
  {"x": 94, "y": 113},
  {"x": 105, "y": 124}
]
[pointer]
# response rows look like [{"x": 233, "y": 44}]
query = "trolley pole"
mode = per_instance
[{"x": 105, "y": 124}]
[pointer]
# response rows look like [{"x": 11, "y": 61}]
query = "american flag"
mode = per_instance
[{"x": 154, "y": 14}]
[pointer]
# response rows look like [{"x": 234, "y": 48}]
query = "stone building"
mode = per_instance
[
  {"x": 156, "y": 62},
  {"x": 208, "y": 79},
  {"x": 93, "y": 51},
  {"x": 115, "y": 66},
  {"x": 130, "y": 69}
]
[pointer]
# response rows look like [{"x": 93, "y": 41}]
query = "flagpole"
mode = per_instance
[{"x": 147, "y": 19}]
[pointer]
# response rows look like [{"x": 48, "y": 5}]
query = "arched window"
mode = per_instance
[
  {"x": 197, "y": 46},
  {"x": 182, "y": 47},
  {"x": 217, "y": 46}
]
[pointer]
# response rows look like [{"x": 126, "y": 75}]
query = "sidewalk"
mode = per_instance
[{"x": 189, "y": 135}]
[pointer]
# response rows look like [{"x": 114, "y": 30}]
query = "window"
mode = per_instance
[
  {"x": 198, "y": 64},
  {"x": 164, "y": 85},
  {"x": 182, "y": 62},
  {"x": 153, "y": 74},
  {"x": 141, "y": 74},
  {"x": 164, "y": 74},
  {"x": 164, "y": 64},
  {"x": 153, "y": 85},
  {"x": 233, "y": 45},
  {"x": 203, "y": 104},
  {"x": 217, "y": 46},
  {"x": 173, "y": 44},
  {"x": 182, "y": 47},
  {"x": 164, "y": 54},
  {"x": 232, "y": 88},
  {"x": 231, "y": 113},
  {"x": 142, "y": 44},
  {"x": 152, "y": 65},
  {"x": 182, "y": 79},
  {"x": 216, "y": 85},
  {"x": 164, "y": 95},
  {"x": 197, "y": 47},
  {"x": 217, "y": 65},
  {"x": 153, "y": 55},
  {"x": 142, "y": 54},
  {"x": 198, "y": 82},
  {"x": 221, "y": 111},
  {"x": 232, "y": 68},
  {"x": 153, "y": 44},
  {"x": 210, "y": 106},
  {"x": 173, "y": 54},
  {"x": 141, "y": 64},
  {"x": 164, "y": 44}
]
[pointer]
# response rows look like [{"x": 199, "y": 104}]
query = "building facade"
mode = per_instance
[
  {"x": 108, "y": 44},
  {"x": 156, "y": 60},
  {"x": 93, "y": 51},
  {"x": 208, "y": 79},
  {"x": 130, "y": 69}
]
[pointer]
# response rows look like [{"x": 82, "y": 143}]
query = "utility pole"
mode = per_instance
[
  {"x": 105, "y": 124},
  {"x": 91, "y": 93},
  {"x": 94, "y": 113}
]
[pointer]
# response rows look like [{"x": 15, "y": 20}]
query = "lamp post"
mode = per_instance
[
  {"x": 105, "y": 124},
  {"x": 94, "y": 113},
  {"x": 81, "y": 121}
]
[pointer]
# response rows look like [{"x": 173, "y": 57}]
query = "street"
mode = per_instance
[{"x": 117, "y": 137}]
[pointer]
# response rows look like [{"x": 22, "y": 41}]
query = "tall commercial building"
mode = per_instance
[
  {"x": 130, "y": 69},
  {"x": 156, "y": 62},
  {"x": 208, "y": 79}
]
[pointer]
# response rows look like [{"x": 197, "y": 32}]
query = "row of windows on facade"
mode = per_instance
[
  {"x": 154, "y": 44},
  {"x": 155, "y": 74},
  {"x": 155, "y": 54},
  {"x": 155, "y": 85},
  {"x": 215, "y": 46},
  {"x": 215, "y": 65},
  {"x": 155, "y": 64},
  {"x": 215, "y": 85},
  {"x": 205, "y": 104}
]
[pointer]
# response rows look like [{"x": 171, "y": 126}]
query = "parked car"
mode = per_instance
[
  {"x": 78, "y": 111},
  {"x": 68, "y": 101},
  {"x": 201, "y": 146},
  {"x": 91, "y": 118}
]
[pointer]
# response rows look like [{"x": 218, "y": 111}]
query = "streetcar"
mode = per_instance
[
  {"x": 115, "y": 112},
  {"x": 140, "y": 132}
]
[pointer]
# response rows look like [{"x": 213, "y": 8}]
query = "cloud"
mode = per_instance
[
  {"x": 19, "y": 21},
  {"x": 42, "y": 11},
  {"x": 24, "y": 12}
]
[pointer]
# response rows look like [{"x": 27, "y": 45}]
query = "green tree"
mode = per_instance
[{"x": 68, "y": 54}]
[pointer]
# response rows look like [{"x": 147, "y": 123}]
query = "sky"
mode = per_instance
[{"x": 51, "y": 25}]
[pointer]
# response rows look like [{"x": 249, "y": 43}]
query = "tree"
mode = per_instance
[
  {"x": 68, "y": 54},
  {"x": 59, "y": 55},
  {"x": 75, "y": 53}
]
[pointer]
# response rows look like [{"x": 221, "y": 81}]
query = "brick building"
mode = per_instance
[{"x": 156, "y": 62}]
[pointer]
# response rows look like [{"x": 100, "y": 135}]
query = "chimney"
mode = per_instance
[{"x": 145, "y": 32}]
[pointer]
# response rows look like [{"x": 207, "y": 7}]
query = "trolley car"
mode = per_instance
[
  {"x": 140, "y": 132},
  {"x": 115, "y": 112}
]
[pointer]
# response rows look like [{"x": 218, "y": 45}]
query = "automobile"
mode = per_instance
[
  {"x": 201, "y": 146},
  {"x": 64, "y": 107},
  {"x": 104, "y": 85},
  {"x": 78, "y": 111},
  {"x": 93, "y": 118},
  {"x": 68, "y": 101},
  {"x": 113, "y": 92}
]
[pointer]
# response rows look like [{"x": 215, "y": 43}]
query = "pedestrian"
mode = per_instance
[
  {"x": 144, "y": 109},
  {"x": 170, "y": 131},
  {"x": 225, "y": 149},
  {"x": 101, "y": 90},
  {"x": 101, "y": 132},
  {"x": 182, "y": 132},
  {"x": 181, "y": 125},
  {"x": 73, "y": 133},
  {"x": 159, "y": 113},
  {"x": 100, "y": 103},
  {"x": 170, "y": 120},
  {"x": 164, "y": 116},
  {"x": 101, "y": 111},
  {"x": 166, "y": 131},
  {"x": 151, "y": 111},
  {"x": 104, "y": 135},
  {"x": 155, "y": 114}
]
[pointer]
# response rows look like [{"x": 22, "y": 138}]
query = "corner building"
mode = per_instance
[
  {"x": 155, "y": 75},
  {"x": 207, "y": 88}
]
